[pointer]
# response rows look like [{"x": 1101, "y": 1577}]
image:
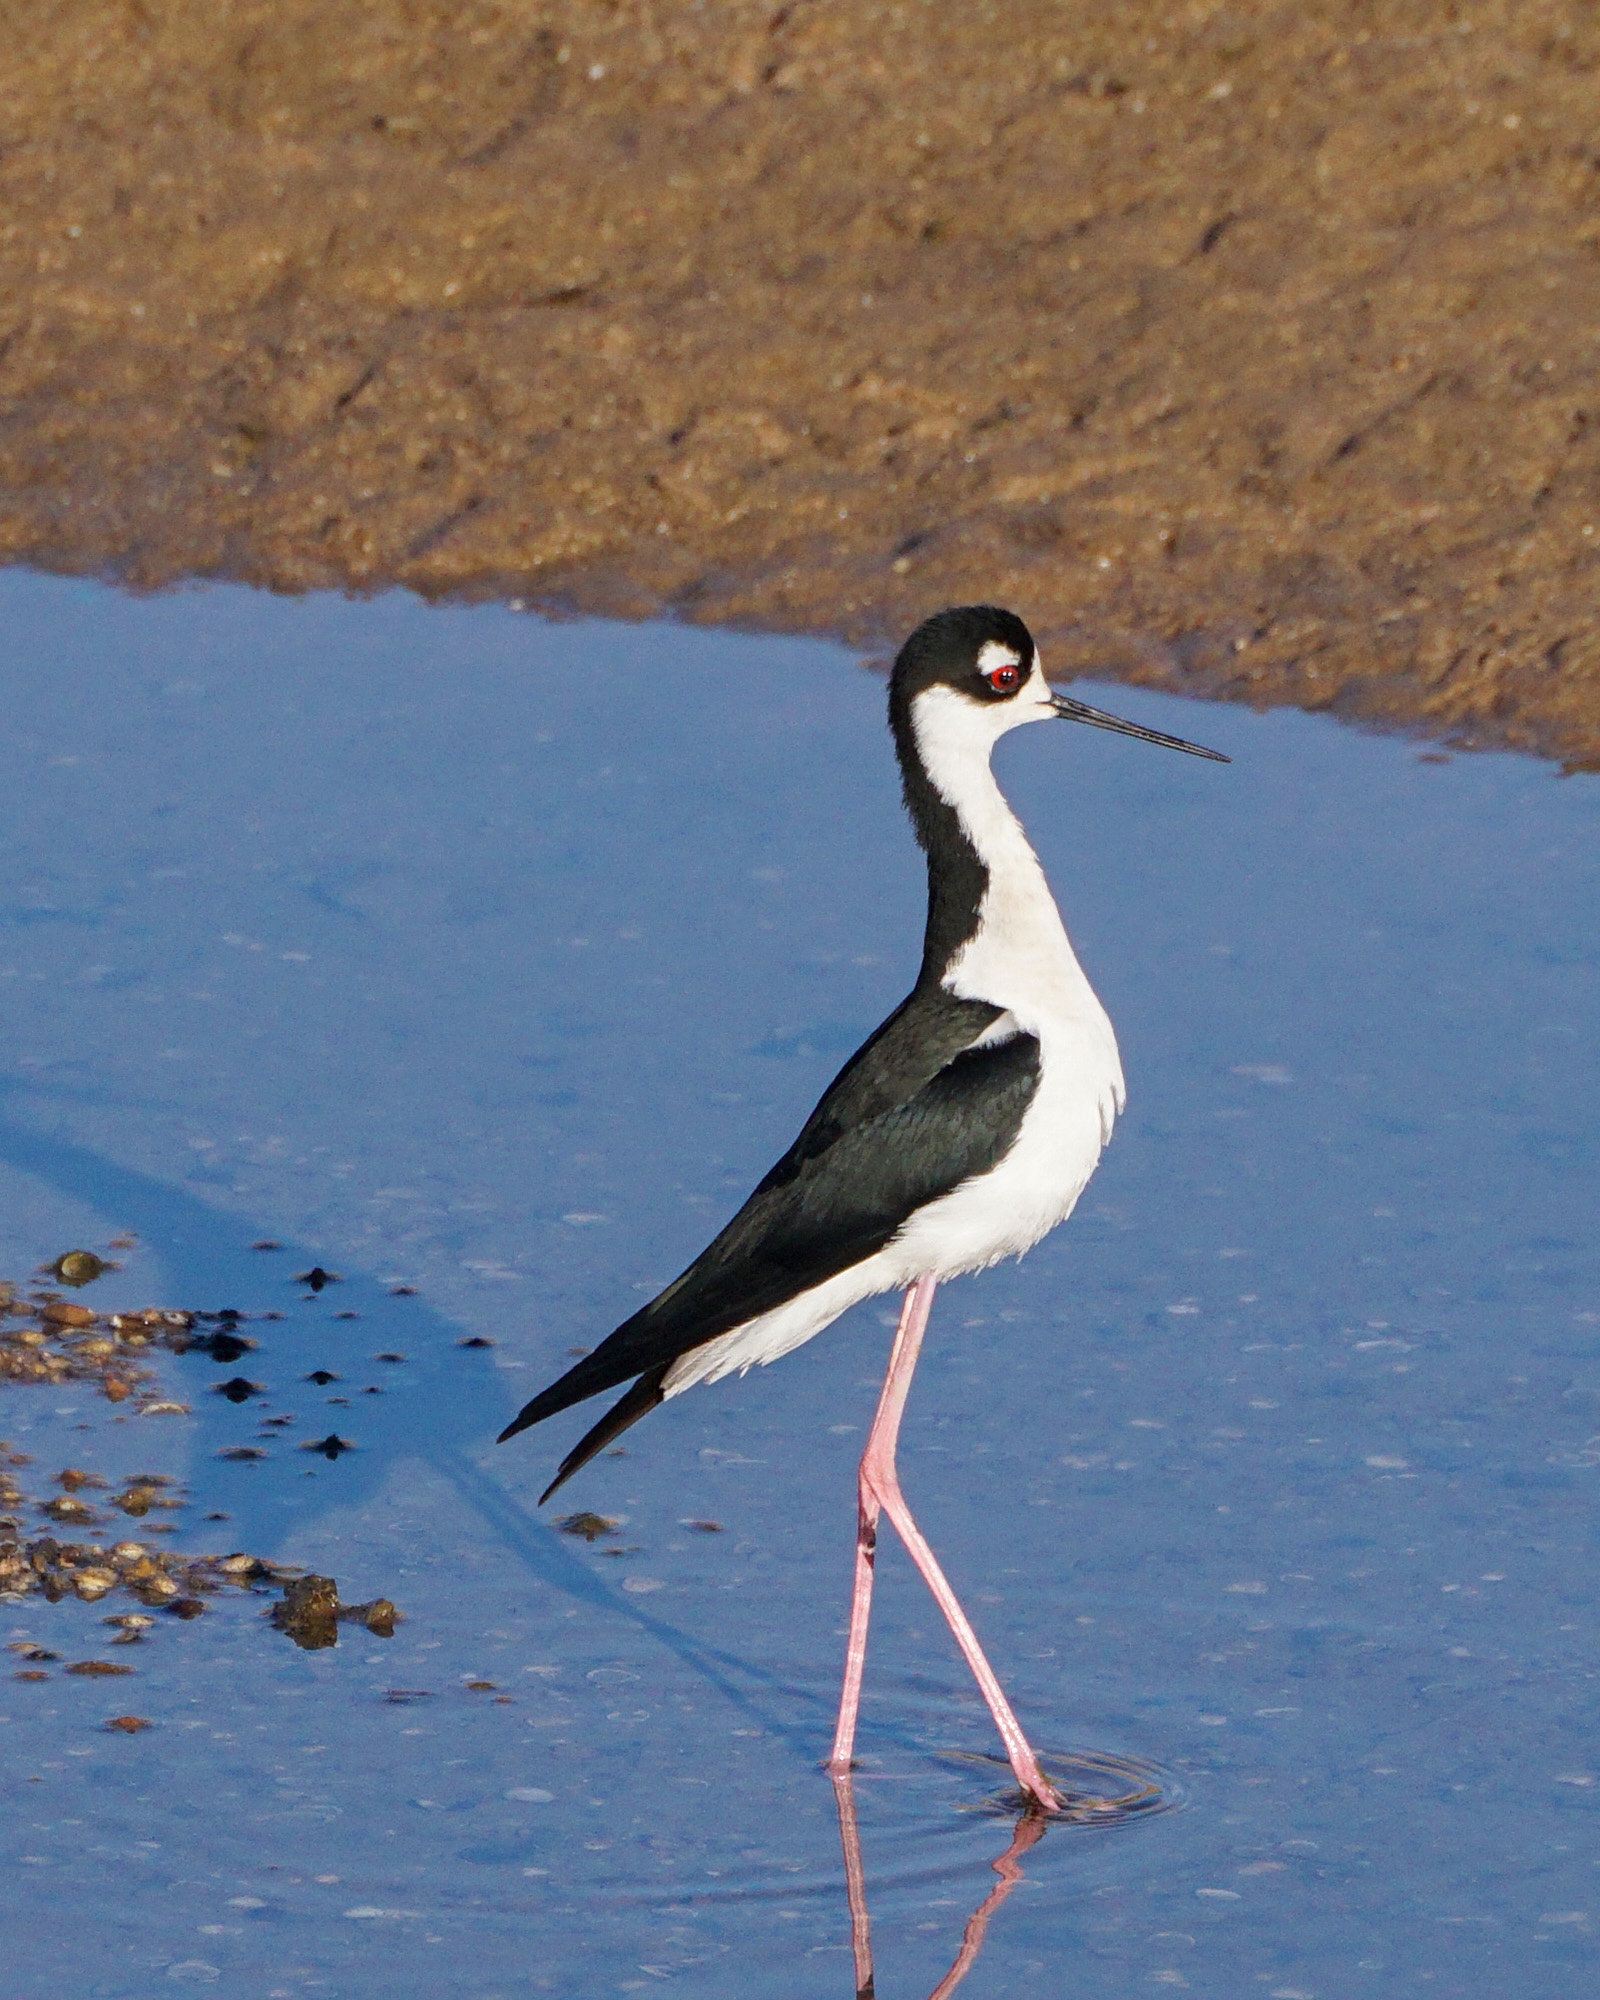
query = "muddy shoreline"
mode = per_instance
[{"x": 1248, "y": 353}]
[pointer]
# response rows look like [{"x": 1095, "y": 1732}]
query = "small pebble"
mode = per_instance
[
  {"x": 226, "y": 1347},
  {"x": 238, "y": 1390},
  {"x": 590, "y": 1527},
  {"x": 332, "y": 1446},
  {"x": 79, "y": 1267},
  {"x": 60, "y": 1313}
]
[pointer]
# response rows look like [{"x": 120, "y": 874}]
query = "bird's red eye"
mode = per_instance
[{"x": 1004, "y": 679}]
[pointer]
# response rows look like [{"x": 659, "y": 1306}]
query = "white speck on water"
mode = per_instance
[{"x": 530, "y": 1795}]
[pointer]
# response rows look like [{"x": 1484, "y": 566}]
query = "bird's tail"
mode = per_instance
[{"x": 645, "y": 1395}]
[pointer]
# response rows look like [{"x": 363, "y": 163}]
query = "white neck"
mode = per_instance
[
  {"x": 1019, "y": 958},
  {"x": 955, "y": 748}
]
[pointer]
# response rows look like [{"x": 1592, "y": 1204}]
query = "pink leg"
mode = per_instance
[
  {"x": 913, "y": 1323},
  {"x": 880, "y": 1488}
]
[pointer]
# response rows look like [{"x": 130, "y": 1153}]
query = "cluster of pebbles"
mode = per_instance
[
  {"x": 90, "y": 1570},
  {"x": 45, "y": 1338},
  {"x": 160, "y": 1579},
  {"x": 73, "y": 1549}
]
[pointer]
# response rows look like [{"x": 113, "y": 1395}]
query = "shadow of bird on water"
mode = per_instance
[{"x": 440, "y": 1407}]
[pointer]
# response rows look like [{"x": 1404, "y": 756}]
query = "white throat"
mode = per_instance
[
  {"x": 1019, "y": 958},
  {"x": 955, "y": 739}
]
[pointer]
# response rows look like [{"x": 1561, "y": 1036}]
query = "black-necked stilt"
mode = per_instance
[{"x": 961, "y": 1132}]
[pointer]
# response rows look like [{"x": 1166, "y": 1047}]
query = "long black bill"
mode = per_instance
[{"x": 1080, "y": 711}]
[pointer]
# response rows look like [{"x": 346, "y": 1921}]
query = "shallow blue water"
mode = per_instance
[{"x": 496, "y": 958}]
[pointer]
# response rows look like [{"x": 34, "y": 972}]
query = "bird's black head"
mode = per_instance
[
  {"x": 972, "y": 674},
  {"x": 979, "y": 650}
]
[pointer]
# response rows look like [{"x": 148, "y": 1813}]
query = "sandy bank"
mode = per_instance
[{"x": 1249, "y": 350}]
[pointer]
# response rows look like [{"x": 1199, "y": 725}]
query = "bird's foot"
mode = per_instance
[{"x": 1042, "y": 1798}]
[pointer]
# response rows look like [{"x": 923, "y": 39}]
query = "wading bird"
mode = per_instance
[{"x": 961, "y": 1132}]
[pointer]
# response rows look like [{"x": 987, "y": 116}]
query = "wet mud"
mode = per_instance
[{"x": 1248, "y": 351}]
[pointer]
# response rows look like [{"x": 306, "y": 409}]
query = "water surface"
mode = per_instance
[{"x": 498, "y": 959}]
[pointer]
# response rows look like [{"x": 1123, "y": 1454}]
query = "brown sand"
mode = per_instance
[{"x": 1247, "y": 349}]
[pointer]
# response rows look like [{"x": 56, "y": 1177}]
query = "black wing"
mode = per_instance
[{"x": 913, "y": 1114}]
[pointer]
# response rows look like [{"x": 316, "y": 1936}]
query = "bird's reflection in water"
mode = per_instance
[{"x": 1028, "y": 1830}]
